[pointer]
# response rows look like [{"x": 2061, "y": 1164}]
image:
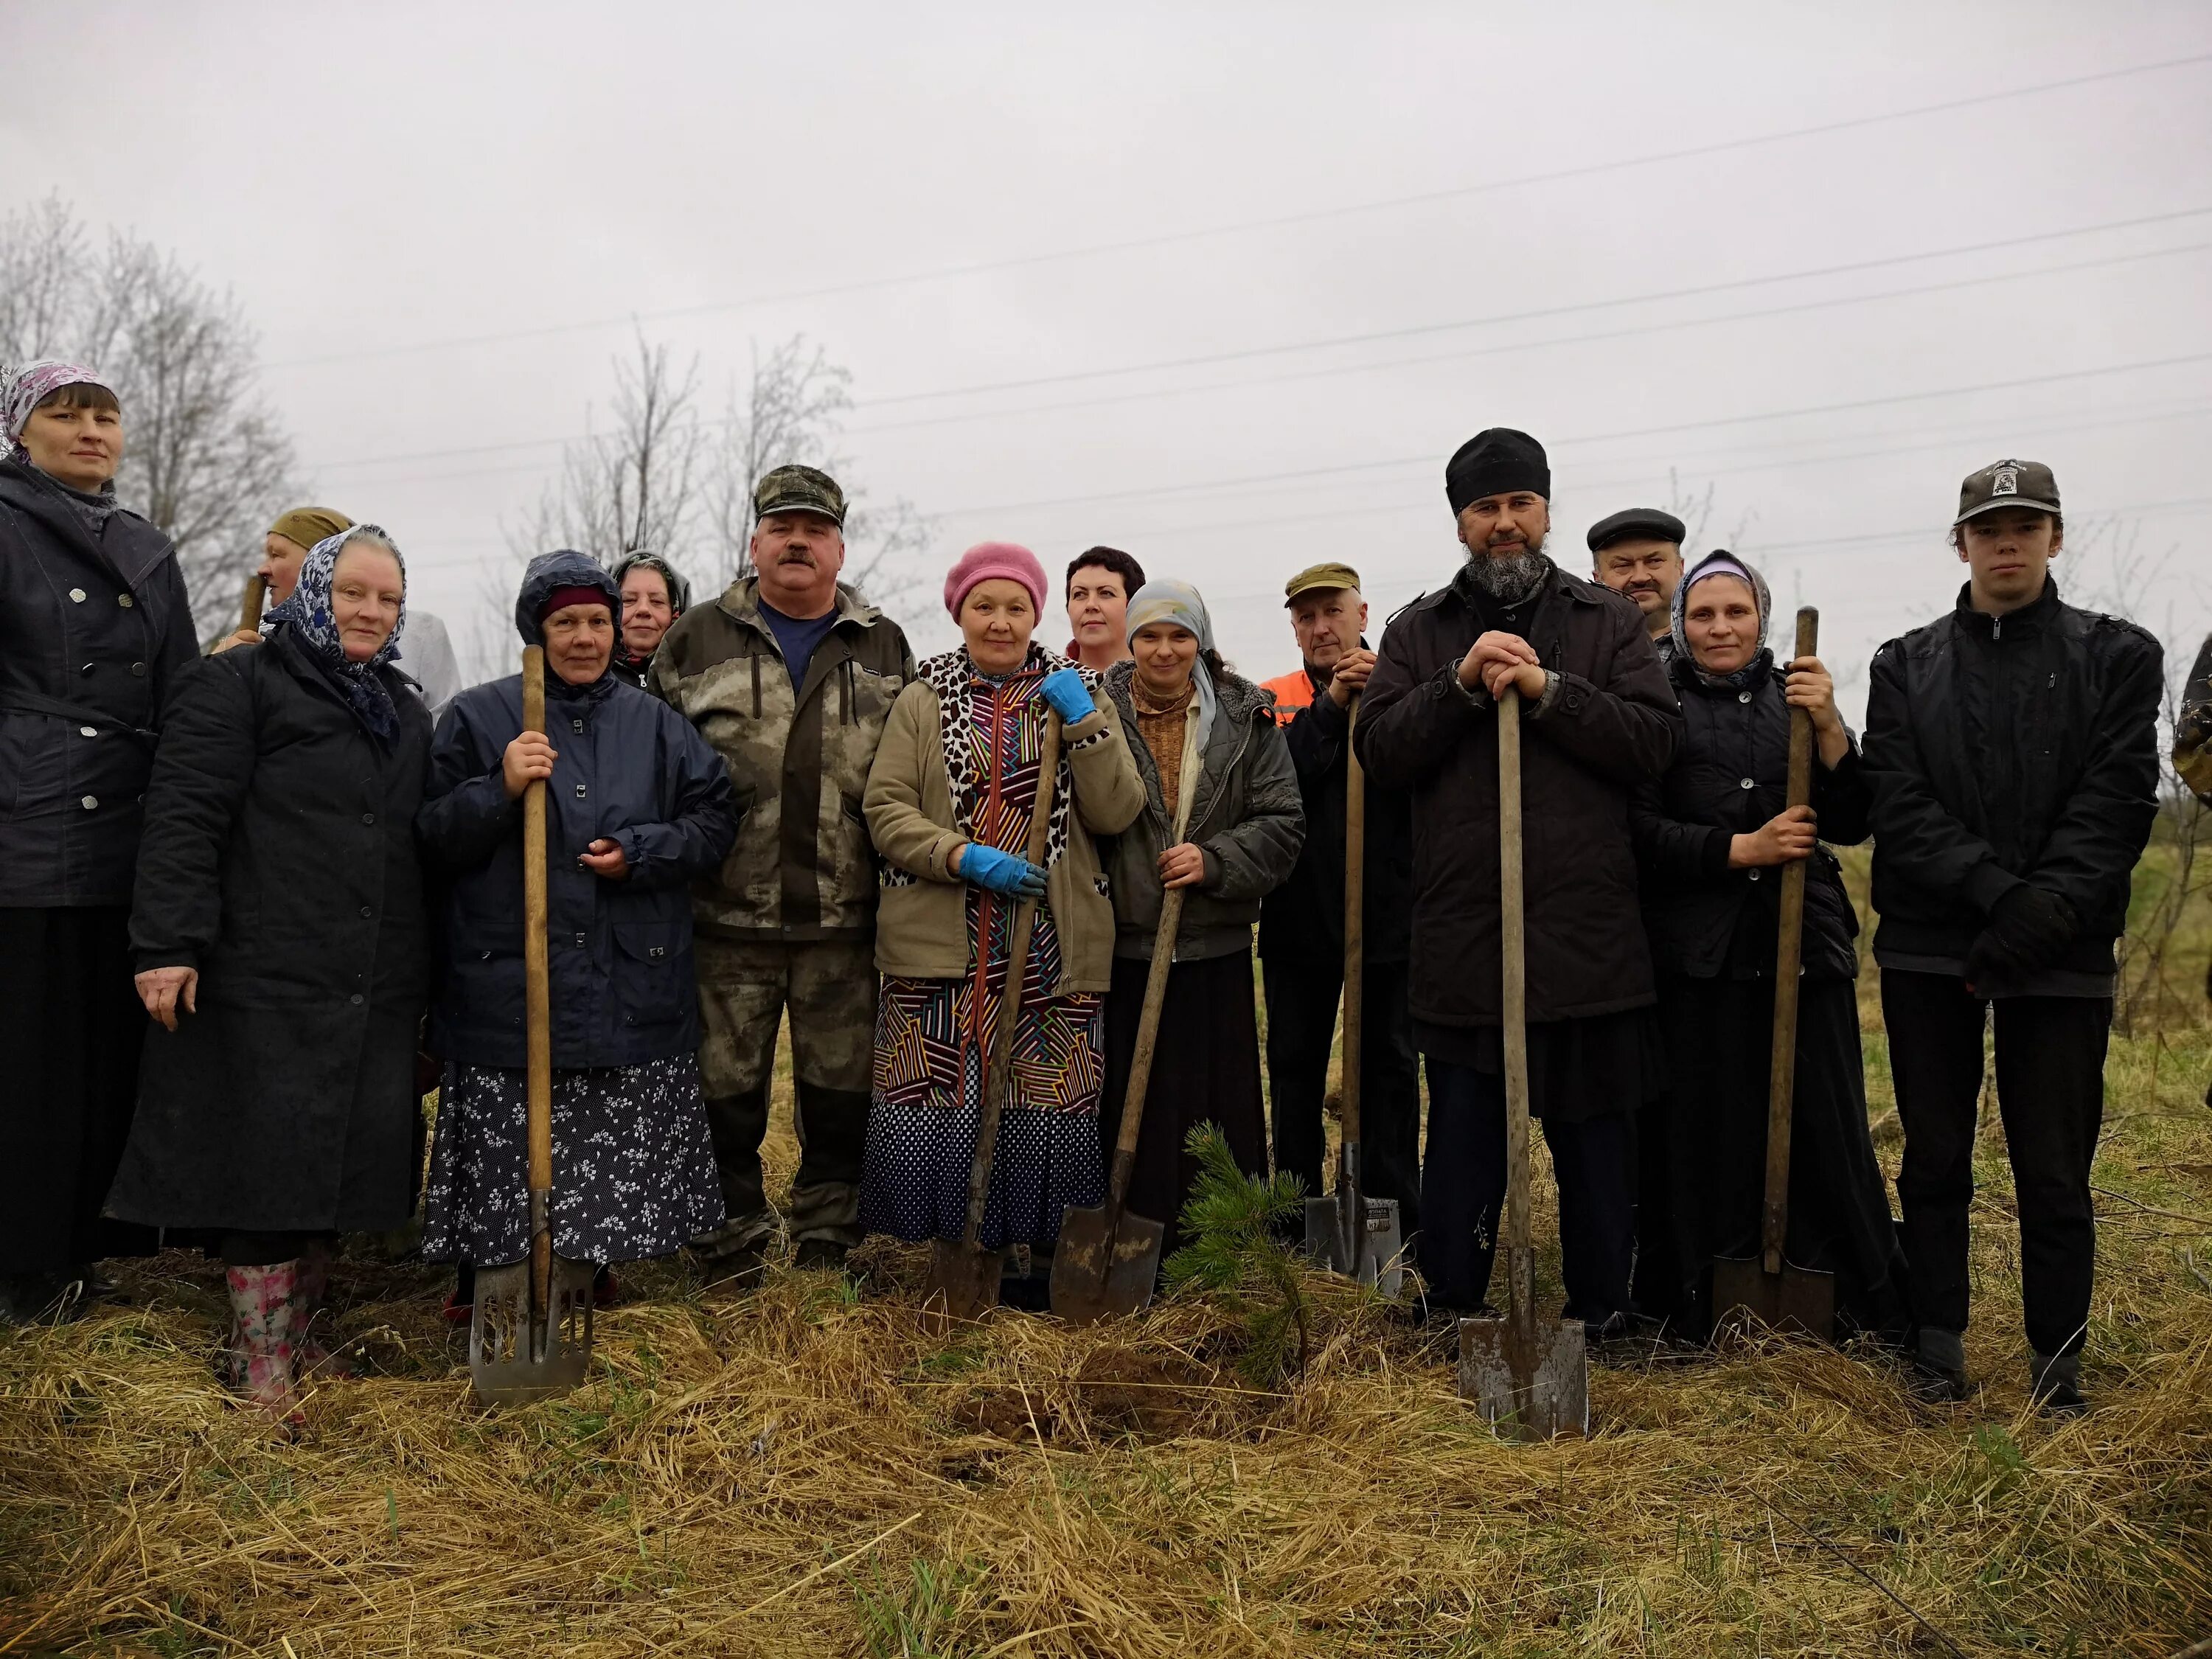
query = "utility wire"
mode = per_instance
[
  {"x": 512, "y": 446},
  {"x": 1169, "y": 238}
]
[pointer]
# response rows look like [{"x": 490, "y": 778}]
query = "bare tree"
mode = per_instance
[
  {"x": 202, "y": 458},
  {"x": 638, "y": 485}
]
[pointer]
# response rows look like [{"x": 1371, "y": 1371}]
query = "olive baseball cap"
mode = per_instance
[
  {"x": 798, "y": 489},
  {"x": 1315, "y": 578},
  {"x": 2007, "y": 483}
]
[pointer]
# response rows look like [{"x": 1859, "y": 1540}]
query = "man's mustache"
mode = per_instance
[{"x": 795, "y": 555}]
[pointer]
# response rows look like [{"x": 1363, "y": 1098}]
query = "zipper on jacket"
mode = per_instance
[
  {"x": 757, "y": 703},
  {"x": 845, "y": 693}
]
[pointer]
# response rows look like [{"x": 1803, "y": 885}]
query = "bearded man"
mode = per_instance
[{"x": 1598, "y": 718}]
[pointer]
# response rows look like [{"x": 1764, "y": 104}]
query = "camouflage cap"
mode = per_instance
[
  {"x": 2007, "y": 483},
  {"x": 1317, "y": 578},
  {"x": 798, "y": 489}
]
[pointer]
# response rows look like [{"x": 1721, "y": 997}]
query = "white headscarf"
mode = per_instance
[{"x": 1163, "y": 600}]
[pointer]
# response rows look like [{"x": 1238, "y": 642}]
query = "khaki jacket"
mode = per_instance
[
  {"x": 802, "y": 869},
  {"x": 922, "y": 930}
]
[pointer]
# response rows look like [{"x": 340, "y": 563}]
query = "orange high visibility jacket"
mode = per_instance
[{"x": 1293, "y": 691}]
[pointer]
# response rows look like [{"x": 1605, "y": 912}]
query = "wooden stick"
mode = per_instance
[
  {"x": 1350, "y": 1184},
  {"x": 1513, "y": 939},
  {"x": 1789, "y": 949},
  {"x": 1140, "y": 1063},
  {"x": 250, "y": 602},
  {"x": 1000, "y": 1061},
  {"x": 537, "y": 998}
]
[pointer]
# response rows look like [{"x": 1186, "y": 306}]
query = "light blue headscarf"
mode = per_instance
[
  {"x": 314, "y": 625},
  {"x": 1163, "y": 600}
]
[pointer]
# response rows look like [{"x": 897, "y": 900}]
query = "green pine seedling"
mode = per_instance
[{"x": 1230, "y": 1223}]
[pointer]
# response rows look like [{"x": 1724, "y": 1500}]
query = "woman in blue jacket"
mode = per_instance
[{"x": 637, "y": 805}]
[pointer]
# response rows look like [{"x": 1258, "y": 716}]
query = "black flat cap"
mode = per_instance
[
  {"x": 1496, "y": 462},
  {"x": 1647, "y": 522}
]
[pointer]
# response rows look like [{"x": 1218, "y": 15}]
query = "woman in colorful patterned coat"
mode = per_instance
[{"x": 948, "y": 805}]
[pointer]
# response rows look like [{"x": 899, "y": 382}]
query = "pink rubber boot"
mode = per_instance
[{"x": 261, "y": 1300}]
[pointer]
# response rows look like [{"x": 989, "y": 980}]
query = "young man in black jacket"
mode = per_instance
[{"x": 2012, "y": 750}]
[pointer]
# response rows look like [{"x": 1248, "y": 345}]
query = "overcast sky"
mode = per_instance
[{"x": 441, "y": 218}]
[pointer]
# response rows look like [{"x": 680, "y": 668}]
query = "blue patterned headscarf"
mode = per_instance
[
  {"x": 314, "y": 625},
  {"x": 1721, "y": 563}
]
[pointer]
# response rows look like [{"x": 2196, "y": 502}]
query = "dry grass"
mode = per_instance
[{"x": 801, "y": 1471}]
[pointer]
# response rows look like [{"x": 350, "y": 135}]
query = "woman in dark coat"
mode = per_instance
[
  {"x": 94, "y": 628},
  {"x": 1712, "y": 837},
  {"x": 1223, "y": 821},
  {"x": 283, "y": 951},
  {"x": 638, "y": 805}
]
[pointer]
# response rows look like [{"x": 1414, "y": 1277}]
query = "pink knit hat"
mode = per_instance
[{"x": 986, "y": 560}]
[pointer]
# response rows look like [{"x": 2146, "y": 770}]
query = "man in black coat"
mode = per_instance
[
  {"x": 1599, "y": 718},
  {"x": 1302, "y": 922},
  {"x": 2013, "y": 746}
]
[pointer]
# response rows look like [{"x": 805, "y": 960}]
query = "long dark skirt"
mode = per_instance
[
  {"x": 71, "y": 1028},
  {"x": 633, "y": 1172},
  {"x": 1705, "y": 1151},
  {"x": 1206, "y": 1069}
]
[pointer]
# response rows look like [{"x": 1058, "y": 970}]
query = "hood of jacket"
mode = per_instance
[{"x": 563, "y": 567}]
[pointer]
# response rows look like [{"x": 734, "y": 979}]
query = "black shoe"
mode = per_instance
[
  {"x": 40, "y": 1298},
  {"x": 1939, "y": 1385},
  {"x": 821, "y": 1253},
  {"x": 98, "y": 1286},
  {"x": 2054, "y": 1384},
  {"x": 742, "y": 1268}
]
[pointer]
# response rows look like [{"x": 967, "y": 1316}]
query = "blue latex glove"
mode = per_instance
[
  {"x": 1064, "y": 689},
  {"x": 1002, "y": 873}
]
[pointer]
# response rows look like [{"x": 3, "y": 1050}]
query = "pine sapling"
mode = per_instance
[{"x": 1231, "y": 1222}]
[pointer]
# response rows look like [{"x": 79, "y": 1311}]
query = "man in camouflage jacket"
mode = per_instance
[{"x": 791, "y": 676}]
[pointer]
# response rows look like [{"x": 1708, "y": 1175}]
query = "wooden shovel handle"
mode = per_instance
[
  {"x": 1355, "y": 939},
  {"x": 1140, "y": 1063},
  {"x": 999, "y": 1061},
  {"x": 1513, "y": 938},
  {"x": 537, "y": 980},
  {"x": 1789, "y": 954},
  {"x": 250, "y": 601}
]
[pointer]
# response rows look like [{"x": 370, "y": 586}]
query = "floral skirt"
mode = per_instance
[
  {"x": 927, "y": 1102},
  {"x": 633, "y": 1166}
]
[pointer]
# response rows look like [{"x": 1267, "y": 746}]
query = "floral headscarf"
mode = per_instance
[
  {"x": 1721, "y": 563},
  {"x": 314, "y": 625},
  {"x": 1163, "y": 600},
  {"x": 23, "y": 389}
]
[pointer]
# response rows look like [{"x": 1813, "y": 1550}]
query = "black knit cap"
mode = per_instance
[{"x": 1496, "y": 462}]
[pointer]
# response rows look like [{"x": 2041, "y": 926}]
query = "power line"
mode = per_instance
[
  {"x": 514, "y": 445},
  {"x": 1311, "y": 217}
]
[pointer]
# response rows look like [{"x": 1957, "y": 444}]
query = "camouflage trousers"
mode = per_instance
[{"x": 830, "y": 991}]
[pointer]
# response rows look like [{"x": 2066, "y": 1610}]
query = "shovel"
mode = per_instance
[
  {"x": 1350, "y": 1232},
  {"x": 530, "y": 1333},
  {"x": 1107, "y": 1259},
  {"x": 1530, "y": 1377},
  {"x": 964, "y": 1276},
  {"x": 1767, "y": 1289}
]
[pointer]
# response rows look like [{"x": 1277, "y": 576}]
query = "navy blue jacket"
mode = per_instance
[{"x": 629, "y": 767}]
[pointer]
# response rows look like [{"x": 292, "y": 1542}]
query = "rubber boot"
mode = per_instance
[
  {"x": 311, "y": 1361},
  {"x": 261, "y": 1307},
  {"x": 1939, "y": 1366},
  {"x": 2054, "y": 1384}
]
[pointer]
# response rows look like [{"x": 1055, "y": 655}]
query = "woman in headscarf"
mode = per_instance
[
  {"x": 948, "y": 803},
  {"x": 653, "y": 595},
  {"x": 637, "y": 805},
  {"x": 1712, "y": 838},
  {"x": 1223, "y": 821},
  {"x": 94, "y": 628},
  {"x": 283, "y": 953}
]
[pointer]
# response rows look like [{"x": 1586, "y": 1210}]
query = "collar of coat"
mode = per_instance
[
  {"x": 2030, "y": 619},
  {"x": 1561, "y": 583},
  {"x": 1240, "y": 699},
  {"x": 130, "y": 546},
  {"x": 741, "y": 600}
]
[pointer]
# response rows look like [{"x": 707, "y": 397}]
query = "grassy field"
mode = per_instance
[{"x": 802, "y": 1471}]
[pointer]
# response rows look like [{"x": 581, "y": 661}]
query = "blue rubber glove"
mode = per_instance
[
  {"x": 1002, "y": 873},
  {"x": 1064, "y": 689}
]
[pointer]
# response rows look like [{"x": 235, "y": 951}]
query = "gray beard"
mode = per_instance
[{"x": 1509, "y": 578}]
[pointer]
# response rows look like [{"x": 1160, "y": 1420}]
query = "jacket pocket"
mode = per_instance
[{"x": 652, "y": 972}]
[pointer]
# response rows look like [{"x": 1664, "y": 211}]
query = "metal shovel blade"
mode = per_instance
[
  {"x": 1102, "y": 1271},
  {"x": 1375, "y": 1257},
  {"x": 515, "y": 1360},
  {"x": 1531, "y": 1381},
  {"x": 1799, "y": 1300},
  {"x": 963, "y": 1284}
]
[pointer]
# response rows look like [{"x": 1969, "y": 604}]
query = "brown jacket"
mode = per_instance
[
  {"x": 922, "y": 929},
  {"x": 802, "y": 869},
  {"x": 1611, "y": 724}
]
